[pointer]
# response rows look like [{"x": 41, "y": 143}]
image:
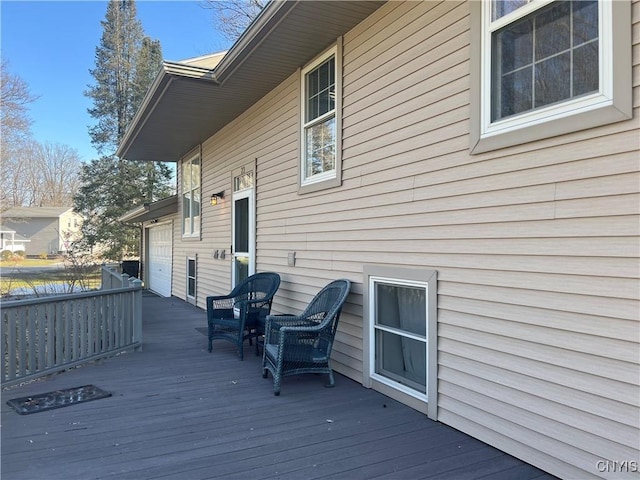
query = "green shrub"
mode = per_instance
[
  {"x": 20, "y": 253},
  {"x": 43, "y": 256},
  {"x": 6, "y": 255}
]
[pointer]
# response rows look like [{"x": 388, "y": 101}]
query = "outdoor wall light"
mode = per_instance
[{"x": 216, "y": 196}]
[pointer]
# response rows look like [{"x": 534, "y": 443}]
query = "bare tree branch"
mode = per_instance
[
  {"x": 14, "y": 134},
  {"x": 59, "y": 169},
  {"x": 14, "y": 100},
  {"x": 232, "y": 17},
  {"x": 39, "y": 175}
]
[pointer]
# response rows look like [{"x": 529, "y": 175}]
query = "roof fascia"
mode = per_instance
[
  {"x": 189, "y": 71},
  {"x": 126, "y": 218},
  {"x": 139, "y": 214}
]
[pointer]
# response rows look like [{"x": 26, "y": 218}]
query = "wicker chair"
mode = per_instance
[
  {"x": 241, "y": 314},
  {"x": 302, "y": 344}
]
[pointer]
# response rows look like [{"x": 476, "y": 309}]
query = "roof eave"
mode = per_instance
[
  {"x": 168, "y": 72},
  {"x": 187, "y": 105},
  {"x": 151, "y": 211},
  {"x": 270, "y": 16}
]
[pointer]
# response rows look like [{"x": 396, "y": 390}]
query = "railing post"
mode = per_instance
[
  {"x": 137, "y": 313},
  {"x": 112, "y": 279},
  {"x": 104, "y": 277}
]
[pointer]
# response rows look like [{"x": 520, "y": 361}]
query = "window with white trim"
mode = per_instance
[
  {"x": 191, "y": 280},
  {"x": 542, "y": 61},
  {"x": 191, "y": 194},
  {"x": 543, "y": 58},
  {"x": 320, "y": 91},
  {"x": 399, "y": 339},
  {"x": 400, "y": 336}
]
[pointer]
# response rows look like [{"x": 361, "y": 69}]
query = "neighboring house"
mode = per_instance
[
  {"x": 481, "y": 193},
  {"x": 10, "y": 240},
  {"x": 48, "y": 229}
]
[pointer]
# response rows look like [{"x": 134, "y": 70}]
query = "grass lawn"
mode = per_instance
[
  {"x": 29, "y": 262},
  {"x": 25, "y": 279}
]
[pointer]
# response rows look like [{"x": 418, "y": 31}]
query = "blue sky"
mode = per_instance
[{"x": 51, "y": 45}]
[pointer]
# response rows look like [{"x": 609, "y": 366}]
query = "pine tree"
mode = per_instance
[
  {"x": 148, "y": 61},
  {"x": 126, "y": 64},
  {"x": 115, "y": 72}
]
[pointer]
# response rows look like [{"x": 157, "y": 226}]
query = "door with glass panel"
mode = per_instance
[{"x": 243, "y": 246}]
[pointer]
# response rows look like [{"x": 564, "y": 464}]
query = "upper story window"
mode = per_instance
[
  {"x": 546, "y": 57},
  {"x": 191, "y": 195},
  {"x": 320, "y": 120},
  {"x": 543, "y": 61}
]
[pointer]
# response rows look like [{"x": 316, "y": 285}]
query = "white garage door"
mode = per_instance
[{"x": 159, "y": 268}]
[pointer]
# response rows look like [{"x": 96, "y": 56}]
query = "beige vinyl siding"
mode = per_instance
[
  {"x": 536, "y": 246},
  {"x": 266, "y": 132}
]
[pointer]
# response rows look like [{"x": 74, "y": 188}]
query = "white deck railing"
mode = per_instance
[{"x": 49, "y": 334}]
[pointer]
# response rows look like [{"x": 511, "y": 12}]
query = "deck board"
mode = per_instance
[{"x": 179, "y": 412}]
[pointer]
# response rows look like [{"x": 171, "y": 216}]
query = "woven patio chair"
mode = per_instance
[
  {"x": 302, "y": 344},
  {"x": 241, "y": 314}
]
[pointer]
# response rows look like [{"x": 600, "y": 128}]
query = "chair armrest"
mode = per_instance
[
  {"x": 229, "y": 301},
  {"x": 280, "y": 327},
  {"x": 273, "y": 323}
]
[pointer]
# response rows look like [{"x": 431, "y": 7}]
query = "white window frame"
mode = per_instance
[
  {"x": 195, "y": 221},
  {"x": 243, "y": 182},
  {"x": 191, "y": 298},
  {"x": 377, "y": 327},
  {"x": 612, "y": 103},
  {"x": 330, "y": 178},
  {"x": 410, "y": 277}
]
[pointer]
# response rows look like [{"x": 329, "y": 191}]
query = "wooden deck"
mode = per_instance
[{"x": 180, "y": 412}]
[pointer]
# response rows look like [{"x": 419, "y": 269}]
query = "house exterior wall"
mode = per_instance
[
  {"x": 49, "y": 233},
  {"x": 536, "y": 246},
  {"x": 43, "y": 233},
  {"x": 69, "y": 228}
]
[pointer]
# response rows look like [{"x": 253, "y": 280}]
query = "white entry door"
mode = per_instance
[
  {"x": 243, "y": 235},
  {"x": 159, "y": 267}
]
